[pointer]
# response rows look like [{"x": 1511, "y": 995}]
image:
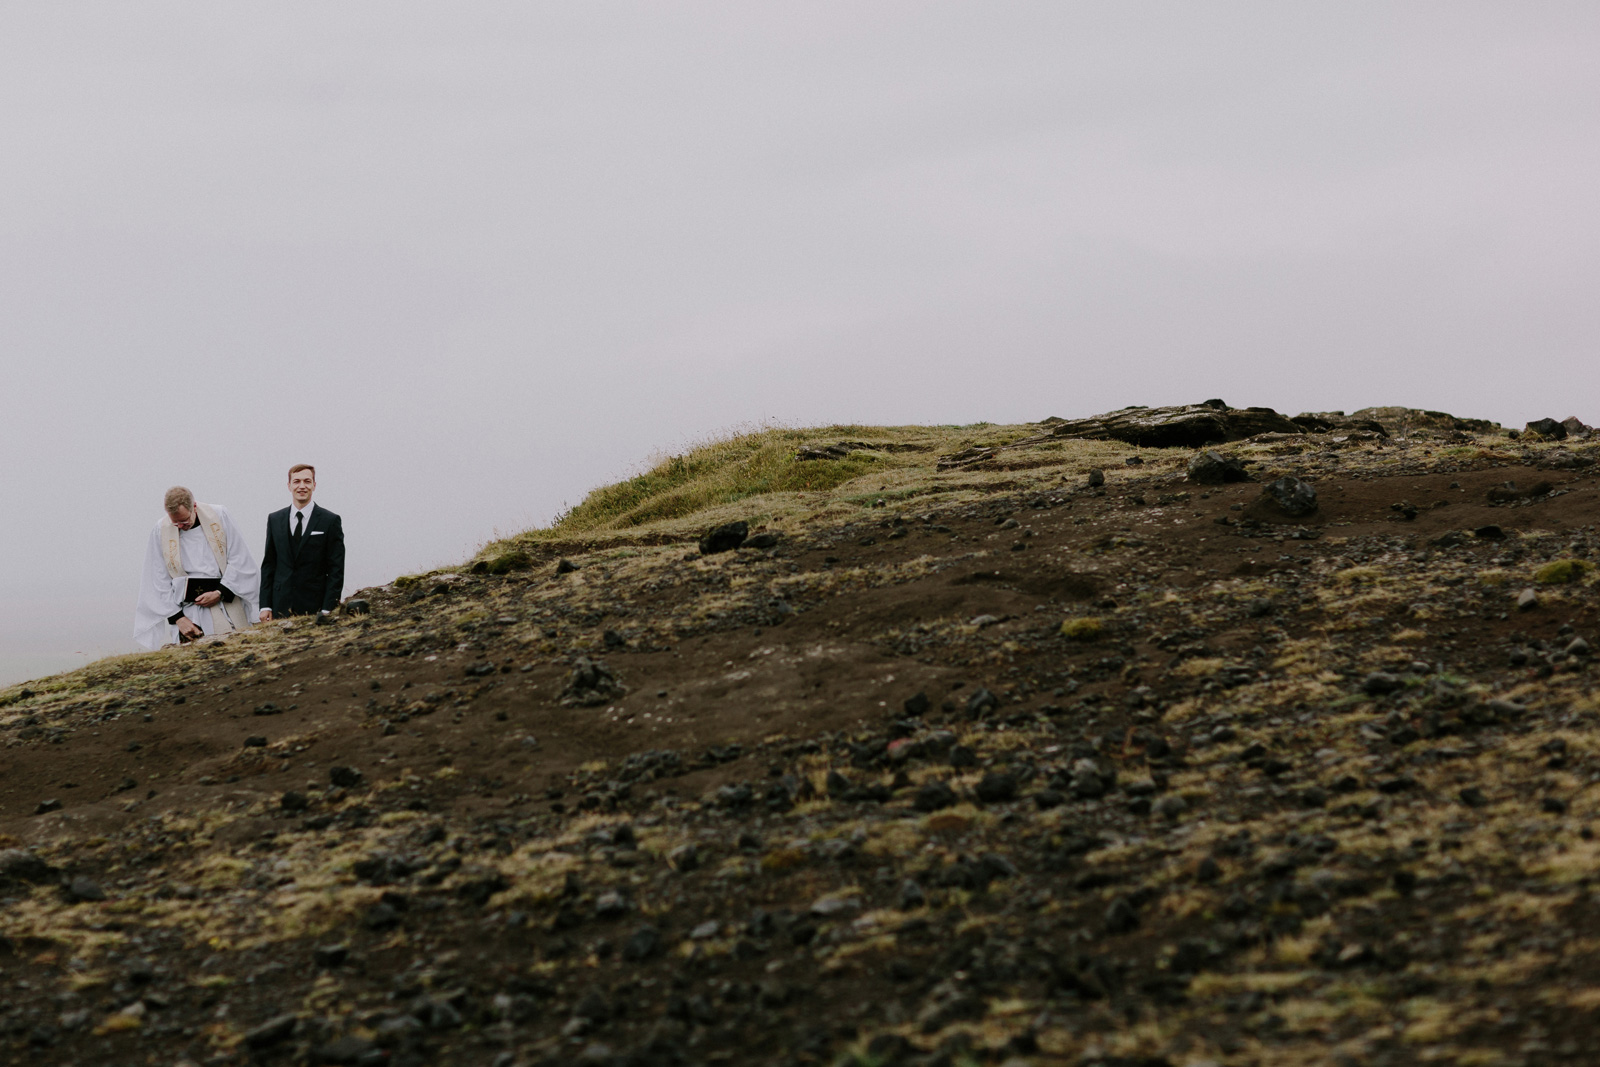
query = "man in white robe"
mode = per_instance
[{"x": 198, "y": 577}]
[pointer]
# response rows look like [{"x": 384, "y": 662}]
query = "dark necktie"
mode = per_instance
[{"x": 299, "y": 518}]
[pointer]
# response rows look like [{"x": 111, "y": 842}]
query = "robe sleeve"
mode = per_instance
[
  {"x": 159, "y": 598},
  {"x": 241, "y": 576}
]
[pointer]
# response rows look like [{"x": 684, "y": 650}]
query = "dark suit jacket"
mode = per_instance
[{"x": 311, "y": 580}]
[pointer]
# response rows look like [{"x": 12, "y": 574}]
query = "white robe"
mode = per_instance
[{"x": 160, "y": 593}]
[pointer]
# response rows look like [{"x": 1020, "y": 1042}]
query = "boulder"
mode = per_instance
[
  {"x": 1292, "y": 496},
  {"x": 1213, "y": 468},
  {"x": 1549, "y": 429},
  {"x": 724, "y": 538},
  {"x": 1182, "y": 426}
]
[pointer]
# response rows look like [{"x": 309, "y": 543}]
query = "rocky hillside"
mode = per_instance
[{"x": 1176, "y": 737}]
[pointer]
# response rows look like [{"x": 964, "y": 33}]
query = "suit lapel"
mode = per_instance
[{"x": 285, "y": 545}]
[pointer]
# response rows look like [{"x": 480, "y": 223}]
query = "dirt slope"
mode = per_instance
[{"x": 1008, "y": 768}]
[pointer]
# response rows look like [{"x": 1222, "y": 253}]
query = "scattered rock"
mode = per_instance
[
  {"x": 345, "y": 777},
  {"x": 1121, "y": 916},
  {"x": 1527, "y": 600},
  {"x": 277, "y": 1029},
  {"x": 1097, "y": 478},
  {"x": 47, "y": 806},
  {"x": 1292, "y": 496},
  {"x": 19, "y": 865},
  {"x": 82, "y": 890},
  {"x": 1212, "y": 468},
  {"x": 724, "y": 538},
  {"x": 933, "y": 796},
  {"x": 1380, "y": 683},
  {"x": 610, "y": 905},
  {"x": 643, "y": 944},
  {"x": 996, "y": 788},
  {"x": 591, "y": 682}
]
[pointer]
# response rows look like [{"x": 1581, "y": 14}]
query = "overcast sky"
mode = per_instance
[{"x": 473, "y": 260}]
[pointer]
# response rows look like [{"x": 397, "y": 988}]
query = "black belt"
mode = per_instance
[{"x": 196, "y": 587}]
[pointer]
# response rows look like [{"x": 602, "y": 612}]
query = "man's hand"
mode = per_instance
[
  {"x": 206, "y": 600},
  {"x": 266, "y": 614},
  {"x": 187, "y": 628}
]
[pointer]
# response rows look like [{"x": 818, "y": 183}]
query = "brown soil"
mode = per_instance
[{"x": 1279, "y": 866}]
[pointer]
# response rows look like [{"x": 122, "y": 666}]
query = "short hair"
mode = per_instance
[
  {"x": 177, "y": 497},
  {"x": 303, "y": 467}
]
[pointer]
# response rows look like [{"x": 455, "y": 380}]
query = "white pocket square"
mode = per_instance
[{"x": 318, "y": 533}]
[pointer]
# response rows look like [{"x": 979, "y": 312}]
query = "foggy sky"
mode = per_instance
[{"x": 473, "y": 260}]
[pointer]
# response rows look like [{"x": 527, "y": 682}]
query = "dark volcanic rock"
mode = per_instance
[
  {"x": 724, "y": 538},
  {"x": 591, "y": 682},
  {"x": 1184, "y": 426},
  {"x": 272, "y": 1031},
  {"x": 934, "y": 795},
  {"x": 17, "y": 865},
  {"x": 1213, "y": 468},
  {"x": 1549, "y": 429},
  {"x": 1292, "y": 496}
]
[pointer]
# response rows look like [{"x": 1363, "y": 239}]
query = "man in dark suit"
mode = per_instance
[{"x": 302, "y": 570}]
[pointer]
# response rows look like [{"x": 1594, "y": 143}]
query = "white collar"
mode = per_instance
[{"x": 309, "y": 508}]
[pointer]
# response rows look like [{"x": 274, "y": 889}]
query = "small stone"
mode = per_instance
[
  {"x": 565, "y": 566},
  {"x": 643, "y": 944},
  {"x": 1170, "y": 807},
  {"x": 1527, "y": 600},
  {"x": 1578, "y": 647},
  {"x": 356, "y": 606},
  {"x": 1553, "y": 806},
  {"x": 1087, "y": 784},
  {"x": 381, "y": 917},
  {"x": 293, "y": 801},
  {"x": 932, "y": 796},
  {"x": 1379, "y": 683},
  {"x": 255, "y": 741},
  {"x": 961, "y": 756},
  {"x": 911, "y": 895},
  {"x": 271, "y": 1032},
  {"x": 610, "y": 904},
  {"x": 47, "y": 806},
  {"x": 917, "y": 704},
  {"x": 1489, "y": 533},
  {"x": 345, "y": 777},
  {"x": 684, "y": 858},
  {"x": 705, "y": 931},
  {"x": 831, "y": 906},
  {"x": 330, "y": 955},
  {"x": 1121, "y": 916},
  {"x": 1207, "y": 871},
  {"x": 981, "y": 702},
  {"x": 1473, "y": 797},
  {"x": 1097, "y": 478},
  {"x": 80, "y": 890},
  {"x": 351, "y": 1050},
  {"x": 996, "y": 788},
  {"x": 268, "y": 708},
  {"x": 1045, "y": 799}
]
